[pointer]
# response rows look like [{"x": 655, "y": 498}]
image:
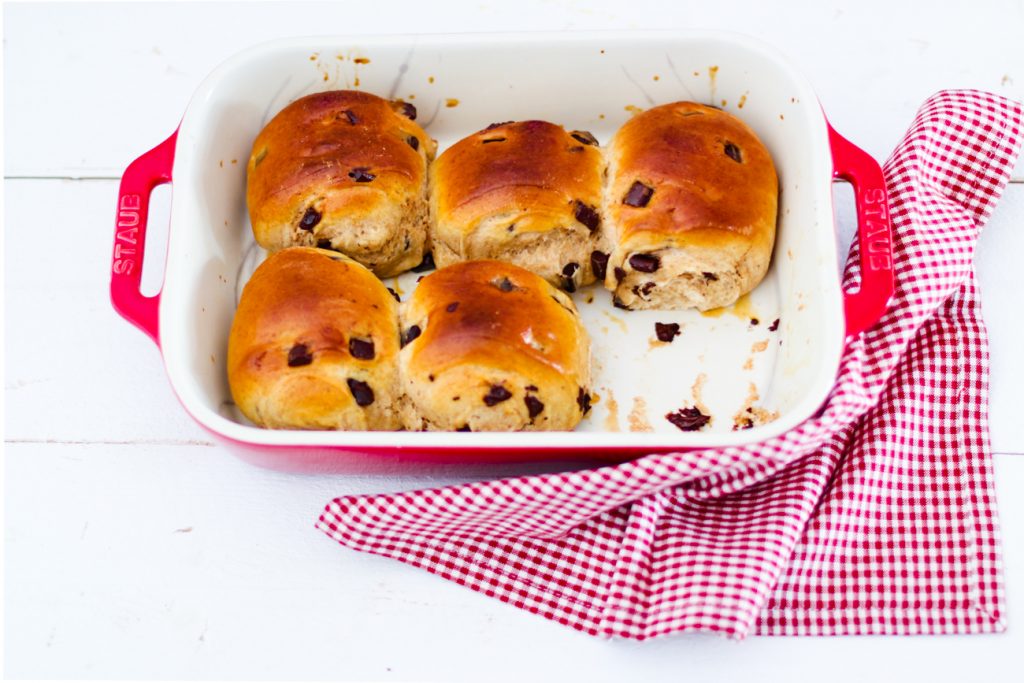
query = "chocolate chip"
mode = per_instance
[
  {"x": 710, "y": 277},
  {"x": 361, "y": 174},
  {"x": 587, "y": 215},
  {"x": 638, "y": 195},
  {"x": 413, "y": 142},
  {"x": 504, "y": 284},
  {"x": 309, "y": 219},
  {"x": 583, "y": 400},
  {"x": 361, "y": 348},
  {"x": 490, "y": 140},
  {"x": 351, "y": 116},
  {"x": 666, "y": 332},
  {"x": 599, "y": 264},
  {"x": 754, "y": 321},
  {"x": 619, "y": 274},
  {"x": 464, "y": 428},
  {"x": 496, "y": 125},
  {"x": 426, "y": 264},
  {"x": 585, "y": 137},
  {"x": 299, "y": 355},
  {"x": 644, "y": 289},
  {"x": 452, "y": 306},
  {"x": 645, "y": 263},
  {"x": 408, "y": 110},
  {"x": 430, "y": 378},
  {"x": 774, "y": 326},
  {"x": 323, "y": 244},
  {"x": 533, "y": 406},
  {"x": 688, "y": 419},
  {"x": 530, "y": 387},
  {"x": 361, "y": 392},
  {"x": 568, "y": 279},
  {"x": 496, "y": 395},
  {"x": 410, "y": 334},
  {"x": 733, "y": 152},
  {"x": 395, "y": 294},
  {"x": 617, "y": 303}
]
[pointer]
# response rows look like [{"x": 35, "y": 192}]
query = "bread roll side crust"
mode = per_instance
[
  {"x": 707, "y": 223},
  {"x": 342, "y": 170},
  {"x": 514, "y": 192}
]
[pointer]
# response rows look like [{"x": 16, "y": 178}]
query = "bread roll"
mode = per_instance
[
  {"x": 343, "y": 170},
  {"x": 314, "y": 345},
  {"x": 528, "y": 193},
  {"x": 489, "y": 346},
  {"x": 691, "y": 206}
]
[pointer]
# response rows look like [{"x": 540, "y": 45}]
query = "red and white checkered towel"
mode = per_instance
[{"x": 878, "y": 516}]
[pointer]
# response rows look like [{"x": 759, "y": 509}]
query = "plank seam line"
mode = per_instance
[{"x": 137, "y": 442}]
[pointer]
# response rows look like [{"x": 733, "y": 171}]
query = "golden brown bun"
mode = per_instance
[
  {"x": 492, "y": 347},
  {"x": 693, "y": 192},
  {"x": 528, "y": 193},
  {"x": 343, "y": 170},
  {"x": 315, "y": 335}
]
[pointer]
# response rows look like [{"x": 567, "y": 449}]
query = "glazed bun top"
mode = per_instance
[
  {"x": 535, "y": 168},
  {"x": 685, "y": 167},
  {"x": 336, "y": 139},
  {"x": 496, "y": 314}
]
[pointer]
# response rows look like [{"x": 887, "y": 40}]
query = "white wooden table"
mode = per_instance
[{"x": 135, "y": 547}]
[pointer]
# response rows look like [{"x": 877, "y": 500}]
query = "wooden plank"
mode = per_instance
[
  {"x": 91, "y": 86},
  {"x": 135, "y": 561}
]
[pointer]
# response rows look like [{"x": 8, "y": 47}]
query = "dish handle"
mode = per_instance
[
  {"x": 866, "y": 305},
  {"x": 145, "y": 173}
]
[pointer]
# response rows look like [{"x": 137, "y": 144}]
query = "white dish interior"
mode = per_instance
[{"x": 590, "y": 81}]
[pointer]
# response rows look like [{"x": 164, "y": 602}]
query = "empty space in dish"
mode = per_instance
[{"x": 594, "y": 82}]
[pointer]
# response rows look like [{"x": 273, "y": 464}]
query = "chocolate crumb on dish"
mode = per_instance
[
  {"x": 688, "y": 419},
  {"x": 666, "y": 332}
]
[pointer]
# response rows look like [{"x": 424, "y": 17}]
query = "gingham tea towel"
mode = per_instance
[{"x": 878, "y": 516}]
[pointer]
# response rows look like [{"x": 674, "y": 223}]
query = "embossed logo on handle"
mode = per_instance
[
  {"x": 127, "y": 239},
  {"x": 877, "y": 247}
]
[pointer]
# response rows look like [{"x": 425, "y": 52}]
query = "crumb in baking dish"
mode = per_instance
[
  {"x": 751, "y": 415},
  {"x": 638, "y": 416},
  {"x": 611, "y": 419}
]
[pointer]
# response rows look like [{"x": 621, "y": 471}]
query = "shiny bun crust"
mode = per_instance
[
  {"x": 489, "y": 346},
  {"x": 691, "y": 207},
  {"x": 314, "y": 345},
  {"x": 525, "y": 192},
  {"x": 343, "y": 170}
]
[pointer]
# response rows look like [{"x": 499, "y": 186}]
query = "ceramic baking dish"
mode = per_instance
[{"x": 725, "y": 360}]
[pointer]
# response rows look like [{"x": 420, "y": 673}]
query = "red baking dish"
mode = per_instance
[{"x": 728, "y": 359}]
